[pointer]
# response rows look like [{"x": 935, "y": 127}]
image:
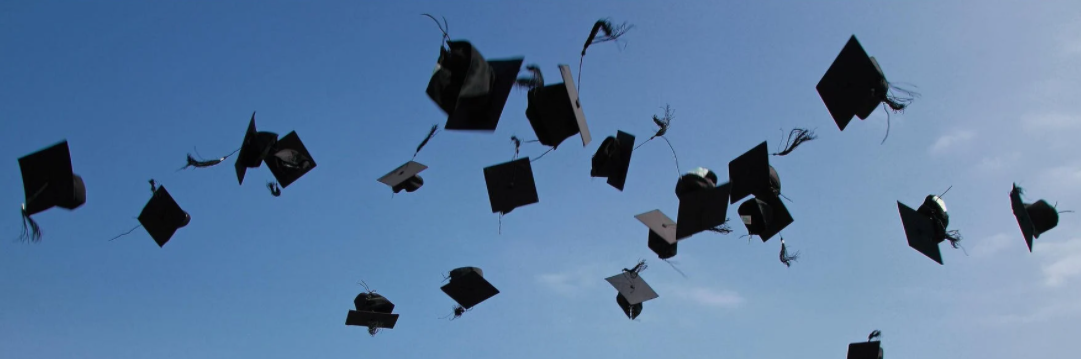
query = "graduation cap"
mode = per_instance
[
  {"x": 703, "y": 205},
  {"x": 472, "y": 91},
  {"x": 1033, "y": 218},
  {"x": 926, "y": 227},
  {"x": 468, "y": 288},
  {"x": 751, "y": 174},
  {"x": 555, "y": 111},
  {"x": 254, "y": 149},
  {"x": 406, "y": 177},
  {"x": 854, "y": 85},
  {"x": 162, "y": 216},
  {"x": 289, "y": 160},
  {"x": 662, "y": 233},
  {"x": 613, "y": 159},
  {"x": 374, "y": 311},
  {"x": 49, "y": 181},
  {"x": 510, "y": 185},
  {"x": 871, "y": 349},
  {"x": 633, "y": 290},
  {"x": 764, "y": 216}
]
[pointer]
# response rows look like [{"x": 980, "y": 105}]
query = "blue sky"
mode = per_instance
[{"x": 133, "y": 86}]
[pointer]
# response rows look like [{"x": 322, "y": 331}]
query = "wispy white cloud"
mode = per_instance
[
  {"x": 997, "y": 163},
  {"x": 1042, "y": 123},
  {"x": 987, "y": 247},
  {"x": 1062, "y": 261},
  {"x": 1061, "y": 180},
  {"x": 1041, "y": 313},
  {"x": 571, "y": 282},
  {"x": 727, "y": 299},
  {"x": 948, "y": 141}
]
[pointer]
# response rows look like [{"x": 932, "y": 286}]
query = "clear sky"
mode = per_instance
[{"x": 134, "y": 85}]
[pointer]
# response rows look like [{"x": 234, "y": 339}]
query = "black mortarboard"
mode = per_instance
[
  {"x": 373, "y": 311},
  {"x": 405, "y": 177},
  {"x": 764, "y": 216},
  {"x": 853, "y": 85},
  {"x": 751, "y": 174},
  {"x": 510, "y": 185},
  {"x": 162, "y": 216},
  {"x": 254, "y": 149},
  {"x": 49, "y": 181},
  {"x": 921, "y": 231},
  {"x": 865, "y": 350},
  {"x": 468, "y": 287},
  {"x": 555, "y": 112},
  {"x": 701, "y": 210},
  {"x": 613, "y": 159},
  {"x": 1033, "y": 218},
  {"x": 662, "y": 233},
  {"x": 633, "y": 288},
  {"x": 631, "y": 310},
  {"x": 469, "y": 89},
  {"x": 289, "y": 160}
]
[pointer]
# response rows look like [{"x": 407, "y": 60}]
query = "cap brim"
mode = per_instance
[
  {"x": 402, "y": 173},
  {"x": 572, "y": 93},
  {"x": 364, "y": 319},
  {"x": 702, "y": 210},
  {"x": 749, "y": 174},
  {"x": 920, "y": 232},
  {"x": 1028, "y": 229},
  {"x": 484, "y": 113},
  {"x": 469, "y": 290},
  {"x": 632, "y": 287},
  {"x": 660, "y": 224},
  {"x": 626, "y": 147}
]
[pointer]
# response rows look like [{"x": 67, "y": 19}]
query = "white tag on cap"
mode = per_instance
[{"x": 746, "y": 219}]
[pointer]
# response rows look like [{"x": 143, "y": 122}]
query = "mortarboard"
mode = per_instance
[
  {"x": 751, "y": 174},
  {"x": 510, "y": 185},
  {"x": 49, "y": 181},
  {"x": 373, "y": 311},
  {"x": 254, "y": 149},
  {"x": 1033, "y": 218},
  {"x": 702, "y": 209},
  {"x": 854, "y": 85},
  {"x": 162, "y": 216},
  {"x": 613, "y": 159},
  {"x": 555, "y": 112},
  {"x": 471, "y": 90},
  {"x": 662, "y": 233},
  {"x": 633, "y": 288},
  {"x": 468, "y": 287},
  {"x": 405, "y": 177},
  {"x": 926, "y": 226},
  {"x": 631, "y": 310},
  {"x": 764, "y": 216},
  {"x": 289, "y": 160},
  {"x": 865, "y": 350}
]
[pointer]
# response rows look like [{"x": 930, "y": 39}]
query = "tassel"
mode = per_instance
[
  {"x": 785, "y": 257},
  {"x": 373, "y": 328},
  {"x": 954, "y": 237},
  {"x": 192, "y": 162},
  {"x": 531, "y": 82},
  {"x": 611, "y": 33},
  {"x": 274, "y": 189},
  {"x": 899, "y": 103},
  {"x": 663, "y": 124},
  {"x": 676, "y": 268},
  {"x": 638, "y": 268},
  {"x": 444, "y": 27},
  {"x": 722, "y": 229},
  {"x": 31, "y": 230},
  {"x": 426, "y": 139},
  {"x": 796, "y": 137},
  {"x": 874, "y": 334}
]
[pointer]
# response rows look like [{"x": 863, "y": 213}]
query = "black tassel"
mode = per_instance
[
  {"x": 796, "y": 137},
  {"x": 275, "y": 190},
  {"x": 536, "y": 80},
  {"x": 426, "y": 139},
  {"x": 676, "y": 268},
  {"x": 638, "y": 268},
  {"x": 663, "y": 124},
  {"x": 874, "y": 334},
  {"x": 31, "y": 231},
  {"x": 899, "y": 103},
  {"x": 785, "y": 257},
  {"x": 611, "y": 33},
  {"x": 192, "y": 162},
  {"x": 373, "y": 328},
  {"x": 153, "y": 186},
  {"x": 444, "y": 27},
  {"x": 954, "y": 237},
  {"x": 724, "y": 228}
]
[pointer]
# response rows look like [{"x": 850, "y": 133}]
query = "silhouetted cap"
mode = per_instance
[
  {"x": 254, "y": 149},
  {"x": 633, "y": 288},
  {"x": 631, "y": 310},
  {"x": 49, "y": 181},
  {"x": 469, "y": 89},
  {"x": 162, "y": 216},
  {"x": 289, "y": 160},
  {"x": 865, "y": 350},
  {"x": 405, "y": 177},
  {"x": 853, "y": 85},
  {"x": 751, "y": 174},
  {"x": 510, "y": 185},
  {"x": 764, "y": 216},
  {"x": 468, "y": 287},
  {"x": 1033, "y": 218},
  {"x": 613, "y": 159},
  {"x": 555, "y": 112},
  {"x": 702, "y": 205},
  {"x": 372, "y": 310},
  {"x": 923, "y": 229},
  {"x": 662, "y": 233}
]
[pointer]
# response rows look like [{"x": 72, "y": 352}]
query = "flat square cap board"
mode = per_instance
[
  {"x": 623, "y": 164},
  {"x": 919, "y": 230},
  {"x": 701, "y": 210},
  {"x": 750, "y": 174},
  {"x": 364, "y": 319},
  {"x": 482, "y": 113},
  {"x": 1021, "y": 214},
  {"x": 289, "y": 160},
  {"x": 864, "y": 350},
  {"x": 162, "y": 216},
  {"x": 402, "y": 173},
  {"x": 848, "y": 86},
  {"x": 469, "y": 290},
  {"x": 253, "y": 150},
  {"x": 660, "y": 224},
  {"x": 776, "y": 220},
  {"x": 555, "y": 112},
  {"x": 48, "y": 180},
  {"x": 632, "y": 287},
  {"x": 510, "y": 185}
]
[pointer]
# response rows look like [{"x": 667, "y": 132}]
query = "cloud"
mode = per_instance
[
  {"x": 990, "y": 246},
  {"x": 945, "y": 142},
  {"x": 1061, "y": 180},
  {"x": 1062, "y": 261},
  {"x": 569, "y": 283},
  {"x": 996, "y": 163},
  {"x": 726, "y": 299},
  {"x": 1042, "y": 123}
]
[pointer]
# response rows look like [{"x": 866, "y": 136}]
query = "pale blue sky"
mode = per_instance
[{"x": 134, "y": 85}]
